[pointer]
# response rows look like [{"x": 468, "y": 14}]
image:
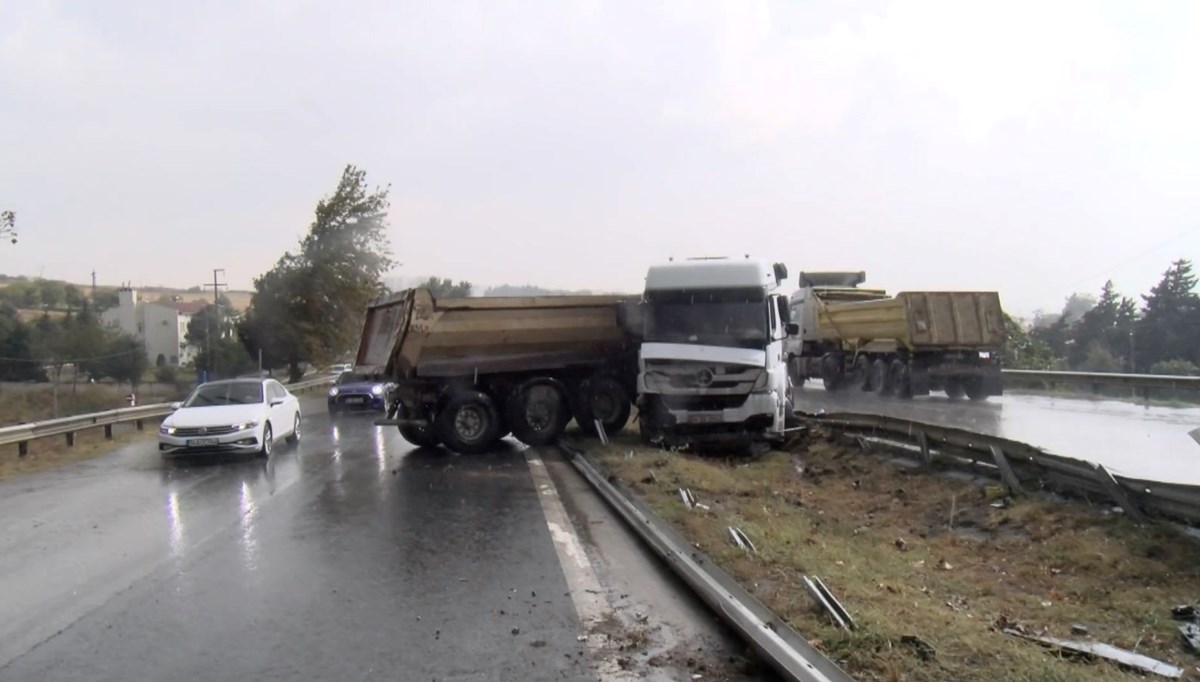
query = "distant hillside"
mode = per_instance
[
  {"x": 240, "y": 300},
  {"x": 531, "y": 290}
]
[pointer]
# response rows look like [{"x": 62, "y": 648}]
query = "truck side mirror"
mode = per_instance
[{"x": 792, "y": 329}]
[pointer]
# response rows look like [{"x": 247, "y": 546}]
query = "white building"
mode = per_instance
[{"x": 162, "y": 326}]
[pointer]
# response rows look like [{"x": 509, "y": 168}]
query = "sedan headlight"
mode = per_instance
[
  {"x": 166, "y": 430},
  {"x": 244, "y": 426},
  {"x": 333, "y": 392},
  {"x": 377, "y": 389}
]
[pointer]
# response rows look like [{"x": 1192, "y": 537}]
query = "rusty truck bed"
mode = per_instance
[{"x": 917, "y": 320}]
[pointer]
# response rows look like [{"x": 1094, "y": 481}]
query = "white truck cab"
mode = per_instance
[{"x": 712, "y": 364}]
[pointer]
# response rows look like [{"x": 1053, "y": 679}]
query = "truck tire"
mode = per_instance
[
  {"x": 469, "y": 423},
  {"x": 900, "y": 376},
  {"x": 420, "y": 436},
  {"x": 881, "y": 377},
  {"x": 604, "y": 398},
  {"x": 831, "y": 372},
  {"x": 795, "y": 368},
  {"x": 538, "y": 411},
  {"x": 650, "y": 430},
  {"x": 953, "y": 386},
  {"x": 975, "y": 388},
  {"x": 860, "y": 374}
]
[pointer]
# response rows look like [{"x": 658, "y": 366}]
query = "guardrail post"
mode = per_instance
[
  {"x": 70, "y": 438},
  {"x": 108, "y": 432},
  {"x": 1006, "y": 473},
  {"x": 140, "y": 425},
  {"x": 22, "y": 448},
  {"x": 1118, "y": 494},
  {"x": 923, "y": 441}
]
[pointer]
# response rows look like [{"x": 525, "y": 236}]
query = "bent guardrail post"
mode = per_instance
[
  {"x": 1118, "y": 494},
  {"x": 1006, "y": 473}
]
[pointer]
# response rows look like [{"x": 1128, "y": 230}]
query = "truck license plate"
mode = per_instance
[
  {"x": 201, "y": 442},
  {"x": 704, "y": 419}
]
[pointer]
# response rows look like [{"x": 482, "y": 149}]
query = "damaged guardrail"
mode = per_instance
[
  {"x": 1022, "y": 467},
  {"x": 22, "y": 434},
  {"x": 790, "y": 654}
]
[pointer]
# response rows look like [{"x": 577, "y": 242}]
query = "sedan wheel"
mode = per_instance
[
  {"x": 268, "y": 444},
  {"x": 294, "y": 436}
]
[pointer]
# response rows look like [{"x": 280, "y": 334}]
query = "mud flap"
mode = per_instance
[{"x": 918, "y": 379}]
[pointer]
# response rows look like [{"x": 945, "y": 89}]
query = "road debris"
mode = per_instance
[
  {"x": 923, "y": 649},
  {"x": 689, "y": 500},
  {"x": 742, "y": 540},
  {"x": 901, "y": 544},
  {"x": 1122, "y": 657},
  {"x": 944, "y": 565},
  {"x": 1185, "y": 612},
  {"x": 829, "y": 603},
  {"x": 1078, "y": 629},
  {"x": 1191, "y": 636}
]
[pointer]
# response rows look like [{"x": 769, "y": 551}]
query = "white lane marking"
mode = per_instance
[{"x": 591, "y": 605}]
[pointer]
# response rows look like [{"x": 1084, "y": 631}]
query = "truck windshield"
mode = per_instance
[{"x": 713, "y": 317}]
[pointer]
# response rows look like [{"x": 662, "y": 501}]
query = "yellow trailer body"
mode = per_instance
[{"x": 914, "y": 320}]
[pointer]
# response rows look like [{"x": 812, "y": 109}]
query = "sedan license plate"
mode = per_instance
[
  {"x": 201, "y": 442},
  {"x": 704, "y": 419}
]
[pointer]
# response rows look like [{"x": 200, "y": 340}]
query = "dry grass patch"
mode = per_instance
[{"x": 913, "y": 553}]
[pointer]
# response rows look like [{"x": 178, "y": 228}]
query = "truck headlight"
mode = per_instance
[{"x": 760, "y": 384}]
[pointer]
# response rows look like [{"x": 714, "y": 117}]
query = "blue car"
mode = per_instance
[{"x": 359, "y": 393}]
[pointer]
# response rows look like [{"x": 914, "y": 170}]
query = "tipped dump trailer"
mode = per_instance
[
  {"x": 468, "y": 371},
  {"x": 908, "y": 344}
]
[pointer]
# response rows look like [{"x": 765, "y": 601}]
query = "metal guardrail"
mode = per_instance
[
  {"x": 1146, "y": 381},
  {"x": 790, "y": 654},
  {"x": 1022, "y": 467},
  {"x": 21, "y": 434}
]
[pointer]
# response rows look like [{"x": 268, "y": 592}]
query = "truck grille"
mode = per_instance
[{"x": 701, "y": 379}]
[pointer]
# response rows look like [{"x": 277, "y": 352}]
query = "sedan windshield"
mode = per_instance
[
  {"x": 236, "y": 393},
  {"x": 718, "y": 317}
]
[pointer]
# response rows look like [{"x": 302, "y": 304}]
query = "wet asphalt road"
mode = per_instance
[
  {"x": 348, "y": 557},
  {"x": 1131, "y": 439}
]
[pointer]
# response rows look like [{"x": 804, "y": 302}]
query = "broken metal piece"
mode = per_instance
[
  {"x": 1184, "y": 612},
  {"x": 600, "y": 432},
  {"x": 689, "y": 500},
  {"x": 925, "y": 650},
  {"x": 1006, "y": 473},
  {"x": 829, "y": 603},
  {"x": 1108, "y": 652},
  {"x": 1078, "y": 629},
  {"x": 742, "y": 540},
  {"x": 1191, "y": 636},
  {"x": 1118, "y": 493}
]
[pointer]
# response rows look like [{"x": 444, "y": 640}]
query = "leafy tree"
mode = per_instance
[
  {"x": 309, "y": 306},
  {"x": 165, "y": 374},
  {"x": 17, "y": 362},
  {"x": 74, "y": 298},
  {"x": 1100, "y": 359},
  {"x": 1076, "y": 305},
  {"x": 105, "y": 300},
  {"x": 1109, "y": 323},
  {"x": 1023, "y": 351},
  {"x": 1055, "y": 335},
  {"x": 1182, "y": 368},
  {"x": 210, "y": 319},
  {"x": 229, "y": 359},
  {"x": 53, "y": 293},
  {"x": 446, "y": 288},
  {"x": 126, "y": 360},
  {"x": 1170, "y": 324},
  {"x": 8, "y": 225}
]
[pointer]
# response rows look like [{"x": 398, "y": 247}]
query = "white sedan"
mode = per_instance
[{"x": 236, "y": 415}]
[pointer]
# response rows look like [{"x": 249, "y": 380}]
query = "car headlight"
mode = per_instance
[
  {"x": 333, "y": 392},
  {"x": 377, "y": 389},
  {"x": 244, "y": 426},
  {"x": 166, "y": 430}
]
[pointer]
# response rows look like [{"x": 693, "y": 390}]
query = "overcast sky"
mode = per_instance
[{"x": 1036, "y": 148}]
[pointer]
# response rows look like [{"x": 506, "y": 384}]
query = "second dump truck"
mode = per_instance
[
  {"x": 904, "y": 345},
  {"x": 469, "y": 371}
]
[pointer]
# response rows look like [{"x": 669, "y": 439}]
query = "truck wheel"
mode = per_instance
[
  {"x": 538, "y": 411},
  {"x": 420, "y": 436},
  {"x": 881, "y": 377},
  {"x": 974, "y": 388},
  {"x": 603, "y": 398},
  {"x": 469, "y": 423},
  {"x": 795, "y": 367},
  {"x": 831, "y": 372},
  {"x": 648, "y": 426},
  {"x": 953, "y": 386},
  {"x": 860, "y": 375},
  {"x": 900, "y": 375}
]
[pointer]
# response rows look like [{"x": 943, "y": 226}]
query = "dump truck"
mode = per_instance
[
  {"x": 469, "y": 371},
  {"x": 904, "y": 345}
]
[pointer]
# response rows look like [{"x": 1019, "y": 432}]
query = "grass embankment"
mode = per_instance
[
  {"x": 35, "y": 402},
  {"x": 915, "y": 553}
]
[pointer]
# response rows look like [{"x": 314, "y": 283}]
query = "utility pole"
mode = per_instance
[
  {"x": 216, "y": 287},
  {"x": 93, "y": 288}
]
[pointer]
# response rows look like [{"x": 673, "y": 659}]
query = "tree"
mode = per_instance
[
  {"x": 8, "y": 226},
  {"x": 1169, "y": 326},
  {"x": 1023, "y": 351},
  {"x": 309, "y": 306},
  {"x": 1179, "y": 368},
  {"x": 228, "y": 359},
  {"x": 105, "y": 300},
  {"x": 446, "y": 288},
  {"x": 126, "y": 360},
  {"x": 17, "y": 362},
  {"x": 210, "y": 319},
  {"x": 1056, "y": 336},
  {"x": 165, "y": 374},
  {"x": 1109, "y": 323},
  {"x": 1076, "y": 305},
  {"x": 1099, "y": 359}
]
